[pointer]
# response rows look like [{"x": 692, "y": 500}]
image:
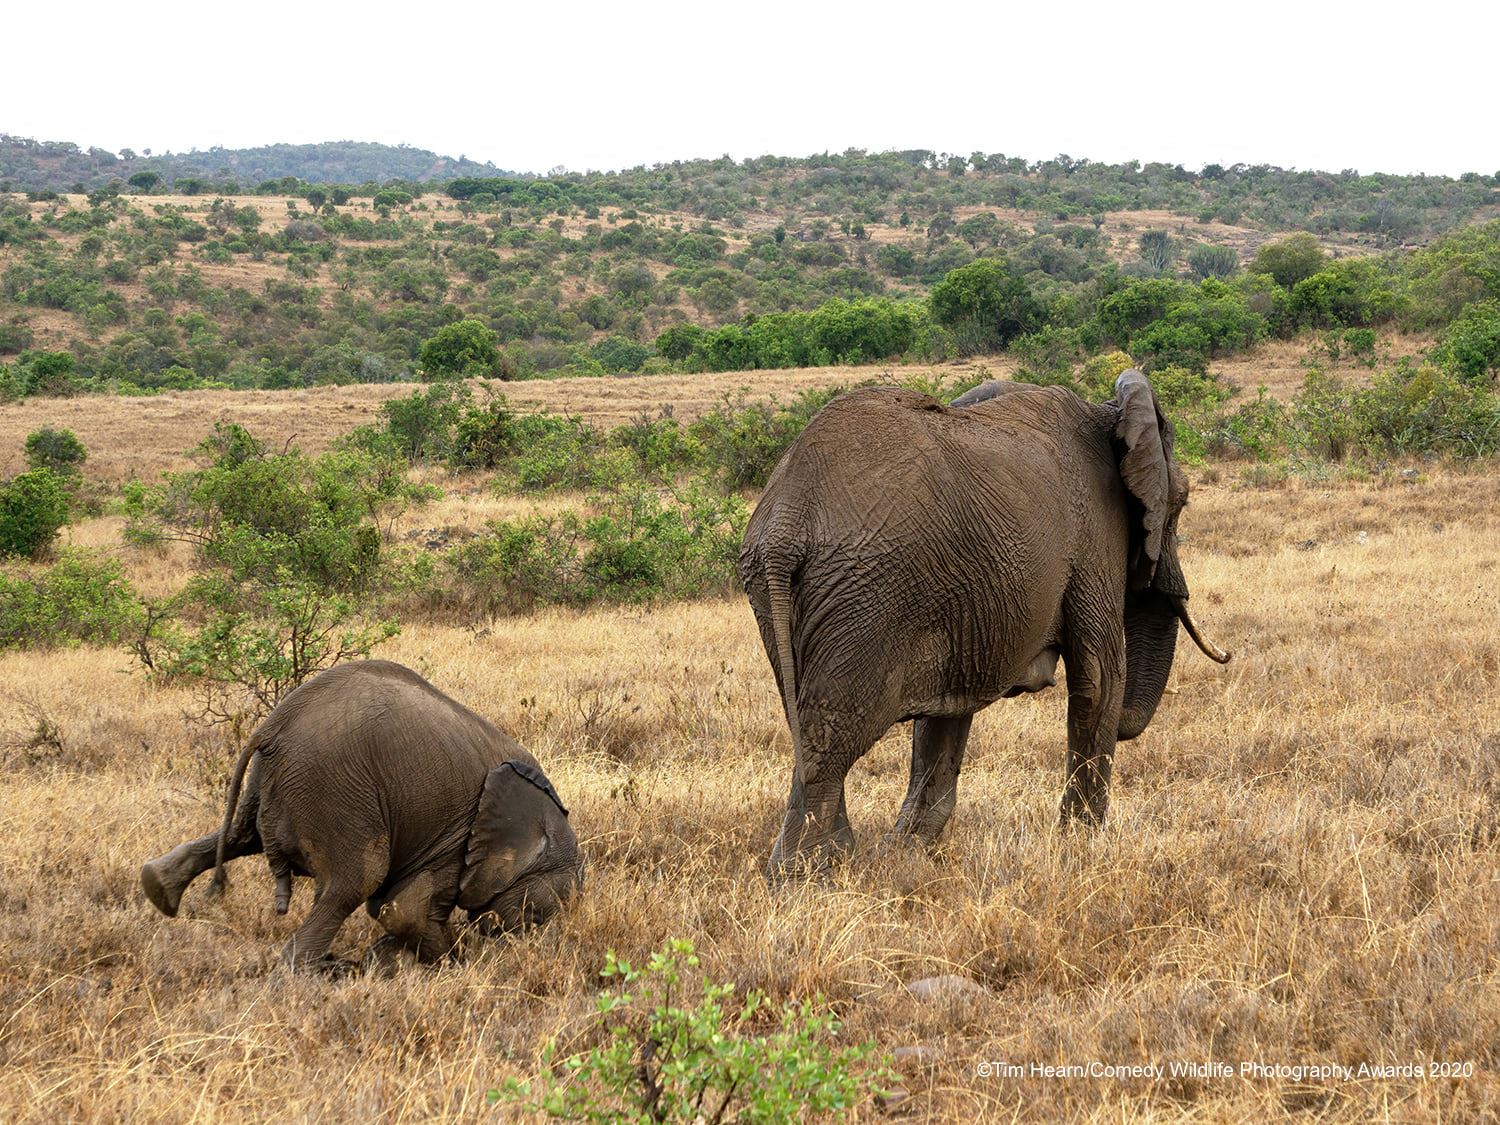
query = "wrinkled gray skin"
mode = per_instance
[
  {"x": 914, "y": 561},
  {"x": 386, "y": 792}
]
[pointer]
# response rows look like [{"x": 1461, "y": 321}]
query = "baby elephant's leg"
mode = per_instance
[
  {"x": 415, "y": 918},
  {"x": 165, "y": 878}
]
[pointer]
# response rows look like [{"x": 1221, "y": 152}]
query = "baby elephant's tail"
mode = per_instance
[{"x": 219, "y": 879}]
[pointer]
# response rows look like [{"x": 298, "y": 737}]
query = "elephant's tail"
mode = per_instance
[
  {"x": 779, "y": 591},
  {"x": 220, "y": 880}
]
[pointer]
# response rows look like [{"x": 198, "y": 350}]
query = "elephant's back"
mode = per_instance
[
  {"x": 885, "y": 466},
  {"x": 378, "y": 717}
]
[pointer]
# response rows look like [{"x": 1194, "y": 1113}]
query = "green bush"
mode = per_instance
[
  {"x": 742, "y": 442},
  {"x": 1470, "y": 346},
  {"x": 293, "y": 559},
  {"x": 58, "y": 450},
  {"x": 631, "y": 546},
  {"x": 1254, "y": 430},
  {"x": 1417, "y": 409},
  {"x": 672, "y": 1051},
  {"x": 466, "y": 349},
  {"x": 985, "y": 305},
  {"x": 1407, "y": 410},
  {"x": 1290, "y": 259},
  {"x": 661, "y": 447},
  {"x": 79, "y": 598},
  {"x": 422, "y": 424},
  {"x": 33, "y": 509},
  {"x": 619, "y": 354}
]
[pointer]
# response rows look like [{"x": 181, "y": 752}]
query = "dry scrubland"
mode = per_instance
[
  {"x": 129, "y": 437},
  {"x": 1302, "y": 863}
]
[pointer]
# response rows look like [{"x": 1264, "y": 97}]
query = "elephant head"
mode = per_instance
[
  {"x": 1156, "y": 594},
  {"x": 522, "y": 862}
]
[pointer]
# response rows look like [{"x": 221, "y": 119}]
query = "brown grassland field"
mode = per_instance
[{"x": 1301, "y": 867}]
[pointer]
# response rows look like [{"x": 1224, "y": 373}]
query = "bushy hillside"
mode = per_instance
[
  {"x": 31, "y": 165},
  {"x": 156, "y": 283}
]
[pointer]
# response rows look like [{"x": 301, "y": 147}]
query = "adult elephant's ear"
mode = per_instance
[
  {"x": 511, "y": 831},
  {"x": 1145, "y": 436}
]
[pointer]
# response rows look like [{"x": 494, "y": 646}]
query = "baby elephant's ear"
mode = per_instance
[{"x": 509, "y": 834}]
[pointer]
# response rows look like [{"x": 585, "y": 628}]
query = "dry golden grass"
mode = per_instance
[
  {"x": 1302, "y": 864},
  {"x": 145, "y": 436},
  {"x": 128, "y": 437}
]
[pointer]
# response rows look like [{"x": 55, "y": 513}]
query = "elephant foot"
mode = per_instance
[
  {"x": 335, "y": 968},
  {"x": 165, "y": 878},
  {"x": 159, "y": 893},
  {"x": 813, "y": 863},
  {"x": 386, "y": 957}
]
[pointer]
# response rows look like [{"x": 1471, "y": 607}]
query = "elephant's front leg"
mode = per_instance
[
  {"x": 937, "y": 754},
  {"x": 1096, "y": 689},
  {"x": 415, "y": 918}
]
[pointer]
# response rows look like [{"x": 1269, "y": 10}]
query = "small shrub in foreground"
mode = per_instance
[{"x": 673, "y": 1052}]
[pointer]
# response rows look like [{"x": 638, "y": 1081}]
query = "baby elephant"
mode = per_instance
[{"x": 386, "y": 792}]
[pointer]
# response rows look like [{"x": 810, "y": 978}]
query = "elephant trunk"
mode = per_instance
[{"x": 1150, "y": 642}]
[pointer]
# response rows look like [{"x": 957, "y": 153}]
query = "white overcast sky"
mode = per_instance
[{"x": 1369, "y": 85}]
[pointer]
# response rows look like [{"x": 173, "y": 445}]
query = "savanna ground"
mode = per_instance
[{"x": 1302, "y": 864}]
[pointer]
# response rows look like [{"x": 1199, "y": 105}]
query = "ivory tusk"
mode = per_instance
[{"x": 1208, "y": 648}]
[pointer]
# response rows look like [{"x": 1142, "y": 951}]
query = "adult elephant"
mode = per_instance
[
  {"x": 388, "y": 793},
  {"x": 910, "y": 560}
]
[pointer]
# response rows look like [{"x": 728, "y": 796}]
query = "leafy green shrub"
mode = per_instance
[
  {"x": 33, "y": 509},
  {"x": 631, "y": 546},
  {"x": 1322, "y": 422},
  {"x": 466, "y": 349},
  {"x": 422, "y": 424},
  {"x": 985, "y": 305},
  {"x": 1407, "y": 410},
  {"x": 1290, "y": 259},
  {"x": 1470, "y": 346},
  {"x": 1254, "y": 430},
  {"x": 293, "y": 553},
  {"x": 79, "y": 598},
  {"x": 1414, "y": 409},
  {"x": 742, "y": 442},
  {"x": 617, "y": 354},
  {"x": 55, "y": 449},
  {"x": 661, "y": 447},
  {"x": 672, "y": 1052}
]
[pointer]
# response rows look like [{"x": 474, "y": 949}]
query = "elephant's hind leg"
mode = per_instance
[
  {"x": 333, "y": 904},
  {"x": 816, "y": 831},
  {"x": 165, "y": 878},
  {"x": 937, "y": 755}
]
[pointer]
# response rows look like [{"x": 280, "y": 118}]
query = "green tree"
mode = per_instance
[
  {"x": 985, "y": 305},
  {"x": 144, "y": 181},
  {"x": 1470, "y": 347},
  {"x": 1291, "y": 260},
  {"x": 55, "y": 449},
  {"x": 1157, "y": 249},
  {"x": 1213, "y": 261},
  {"x": 979, "y": 230},
  {"x": 463, "y": 350},
  {"x": 33, "y": 509}
]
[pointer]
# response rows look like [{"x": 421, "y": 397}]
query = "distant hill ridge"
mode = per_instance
[{"x": 31, "y": 165}]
